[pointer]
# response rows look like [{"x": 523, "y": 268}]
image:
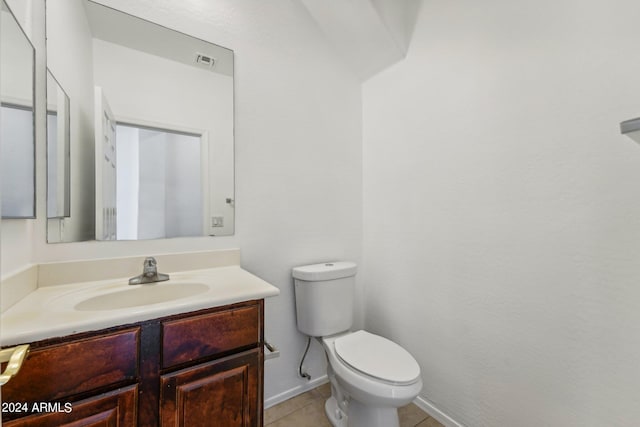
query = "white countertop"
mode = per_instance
[{"x": 50, "y": 311}]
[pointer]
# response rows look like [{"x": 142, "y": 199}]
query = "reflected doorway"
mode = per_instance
[{"x": 158, "y": 183}]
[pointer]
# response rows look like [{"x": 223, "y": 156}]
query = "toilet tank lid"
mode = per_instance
[{"x": 325, "y": 271}]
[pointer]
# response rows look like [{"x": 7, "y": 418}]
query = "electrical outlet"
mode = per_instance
[{"x": 217, "y": 221}]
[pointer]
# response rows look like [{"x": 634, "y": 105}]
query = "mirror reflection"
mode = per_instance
[
  {"x": 153, "y": 166},
  {"x": 151, "y": 127},
  {"x": 58, "y": 143},
  {"x": 17, "y": 142}
]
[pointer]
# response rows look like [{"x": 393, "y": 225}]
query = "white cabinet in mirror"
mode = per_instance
[
  {"x": 151, "y": 127},
  {"x": 17, "y": 142}
]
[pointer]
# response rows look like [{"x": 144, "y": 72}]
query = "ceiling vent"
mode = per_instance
[{"x": 205, "y": 60}]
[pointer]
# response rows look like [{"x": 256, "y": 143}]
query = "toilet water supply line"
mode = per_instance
[{"x": 305, "y": 374}]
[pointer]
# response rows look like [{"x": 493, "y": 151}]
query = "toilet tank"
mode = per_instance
[{"x": 324, "y": 297}]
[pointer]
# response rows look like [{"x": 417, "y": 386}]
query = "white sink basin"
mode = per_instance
[
  {"x": 66, "y": 309},
  {"x": 140, "y": 295}
]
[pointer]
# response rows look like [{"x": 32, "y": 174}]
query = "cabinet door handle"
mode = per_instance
[{"x": 14, "y": 356}]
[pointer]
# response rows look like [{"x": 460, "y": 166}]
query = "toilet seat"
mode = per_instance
[{"x": 377, "y": 357}]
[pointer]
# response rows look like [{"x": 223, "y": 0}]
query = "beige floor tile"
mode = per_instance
[
  {"x": 430, "y": 422},
  {"x": 288, "y": 406},
  {"x": 311, "y": 415},
  {"x": 324, "y": 390},
  {"x": 307, "y": 410},
  {"x": 411, "y": 415}
]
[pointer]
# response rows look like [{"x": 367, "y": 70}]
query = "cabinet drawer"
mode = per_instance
[
  {"x": 184, "y": 340},
  {"x": 58, "y": 371},
  {"x": 114, "y": 409}
]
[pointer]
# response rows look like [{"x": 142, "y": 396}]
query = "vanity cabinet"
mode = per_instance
[{"x": 202, "y": 368}]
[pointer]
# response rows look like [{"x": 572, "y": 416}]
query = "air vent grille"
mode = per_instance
[{"x": 205, "y": 60}]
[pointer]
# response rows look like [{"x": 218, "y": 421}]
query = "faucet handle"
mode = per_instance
[{"x": 149, "y": 273}]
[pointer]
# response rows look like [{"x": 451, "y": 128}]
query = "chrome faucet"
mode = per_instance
[{"x": 149, "y": 273}]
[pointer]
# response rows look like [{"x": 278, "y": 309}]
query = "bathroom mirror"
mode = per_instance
[
  {"x": 17, "y": 130},
  {"x": 58, "y": 155},
  {"x": 151, "y": 127}
]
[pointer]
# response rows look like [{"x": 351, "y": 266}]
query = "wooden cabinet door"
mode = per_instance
[
  {"x": 114, "y": 409},
  {"x": 225, "y": 393}
]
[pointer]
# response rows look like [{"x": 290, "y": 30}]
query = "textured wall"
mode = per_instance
[{"x": 502, "y": 217}]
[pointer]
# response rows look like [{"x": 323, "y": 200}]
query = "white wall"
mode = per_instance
[
  {"x": 298, "y": 160},
  {"x": 501, "y": 210},
  {"x": 127, "y": 181},
  {"x": 17, "y": 82},
  {"x": 152, "y": 201},
  {"x": 22, "y": 10},
  {"x": 183, "y": 186},
  {"x": 69, "y": 57}
]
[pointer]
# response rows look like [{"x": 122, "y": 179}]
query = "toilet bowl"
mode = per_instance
[{"x": 371, "y": 377}]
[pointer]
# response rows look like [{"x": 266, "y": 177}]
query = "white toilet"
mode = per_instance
[{"x": 370, "y": 376}]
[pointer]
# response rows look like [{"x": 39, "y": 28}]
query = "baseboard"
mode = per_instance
[
  {"x": 292, "y": 392},
  {"x": 421, "y": 402},
  {"x": 431, "y": 409}
]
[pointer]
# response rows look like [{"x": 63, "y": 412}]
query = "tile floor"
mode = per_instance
[{"x": 307, "y": 410}]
